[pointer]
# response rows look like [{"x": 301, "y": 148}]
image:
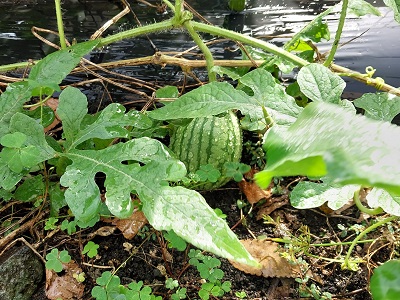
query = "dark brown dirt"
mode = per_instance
[{"x": 148, "y": 263}]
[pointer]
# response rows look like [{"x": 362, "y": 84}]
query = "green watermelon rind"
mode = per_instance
[{"x": 211, "y": 140}]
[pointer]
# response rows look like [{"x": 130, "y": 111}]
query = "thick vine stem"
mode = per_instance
[
  {"x": 375, "y": 82},
  {"x": 142, "y": 30},
  {"x": 217, "y": 31},
  {"x": 179, "y": 9},
  {"x": 338, "y": 34}
]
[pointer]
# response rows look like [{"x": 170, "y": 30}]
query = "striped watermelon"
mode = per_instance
[{"x": 211, "y": 140}]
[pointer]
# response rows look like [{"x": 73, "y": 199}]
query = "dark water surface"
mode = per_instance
[{"x": 377, "y": 46}]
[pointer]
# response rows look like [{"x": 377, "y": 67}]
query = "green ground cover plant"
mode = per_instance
[{"x": 322, "y": 138}]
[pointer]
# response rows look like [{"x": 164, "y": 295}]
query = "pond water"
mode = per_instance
[{"x": 376, "y": 40}]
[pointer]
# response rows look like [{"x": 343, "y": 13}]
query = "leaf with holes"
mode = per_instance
[
  {"x": 182, "y": 210},
  {"x": 110, "y": 123}
]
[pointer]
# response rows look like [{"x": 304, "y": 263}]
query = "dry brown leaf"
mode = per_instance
[
  {"x": 267, "y": 254},
  {"x": 102, "y": 231},
  {"x": 131, "y": 226},
  {"x": 53, "y": 104},
  {"x": 64, "y": 287},
  {"x": 253, "y": 192},
  {"x": 271, "y": 205}
]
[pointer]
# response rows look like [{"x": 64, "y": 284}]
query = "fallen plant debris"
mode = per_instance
[{"x": 268, "y": 255}]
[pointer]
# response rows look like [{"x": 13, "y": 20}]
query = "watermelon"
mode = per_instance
[{"x": 211, "y": 140}]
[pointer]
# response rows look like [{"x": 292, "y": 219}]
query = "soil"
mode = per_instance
[{"x": 153, "y": 260}]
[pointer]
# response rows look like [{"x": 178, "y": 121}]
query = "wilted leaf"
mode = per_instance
[
  {"x": 65, "y": 286},
  {"x": 272, "y": 204},
  {"x": 102, "y": 231},
  {"x": 253, "y": 192},
  {"x": 267, "y": 254},
  {"x": 132, "y": 225}
]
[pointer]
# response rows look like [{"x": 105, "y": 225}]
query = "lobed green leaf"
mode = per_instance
[
  {"x": 11, "y": 102},
  {"x": 110, "y": 123},
  {"x": 218, "y": 97},
  {"x": 361, "y": 8},
  {"x": 52, "y": 69}
]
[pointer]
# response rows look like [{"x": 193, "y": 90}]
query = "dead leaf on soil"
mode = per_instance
[
  {"x": 64, "y": 287},
  {"x": 131, "y": 226},
  {"x": 267, "y": 254},
  {"x": 253, "y": 192},
  {"x": 102, "y": 231},
  {"x": 272, "y": 204}
]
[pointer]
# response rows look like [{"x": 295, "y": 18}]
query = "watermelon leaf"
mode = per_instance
[
  {"x": 218, "y": 97},
  {"x": 361, "y": 8},
  {"x": 320, "y": 84},
  {"x": 379, "y": 106},
  {"x": 381, "y": 198},
  {"x": 329, "y": 140},
  {"x": 49, "y": 72},
  {"x": 395, "y": 6},
  {"x": 308, "y": 194},
  {"x": 109, "y": 123},
  {"x": 385, "y": 283},
  {"x": 185, "y": 211}
]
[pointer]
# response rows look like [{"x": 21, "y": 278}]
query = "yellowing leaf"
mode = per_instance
[{"x": 267, "y": 254}]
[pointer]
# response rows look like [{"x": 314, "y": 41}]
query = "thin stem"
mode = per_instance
[
  {"x": 203, "y": 47},
  {"x": 362, "y": 234},
  {"x": 338, "y": 34},
  {"x": 326, "y": 258},
  {"x": 362, "y": 208},
  {"x": 217, "y": 31},
  {"x": 60, "y": 25},
  {"x": 170, "y": 5},
  {"x": 288, "y": 241}
]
